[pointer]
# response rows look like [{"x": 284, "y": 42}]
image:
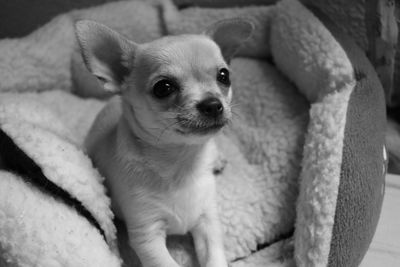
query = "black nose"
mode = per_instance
[{"x": 211, "y": 107}]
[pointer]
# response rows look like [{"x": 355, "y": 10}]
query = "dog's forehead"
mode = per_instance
[{"x": 185, "y": 51}]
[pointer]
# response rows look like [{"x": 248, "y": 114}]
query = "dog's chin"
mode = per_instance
[{"x": 200, "y": 129}]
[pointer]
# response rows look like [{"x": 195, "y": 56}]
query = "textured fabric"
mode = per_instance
[
  {"x": 36, "y": 230},
  {"x": 361, "y": 187},
  {"x": 34, "y": 227},
  {"x": 304, "y": 49}
]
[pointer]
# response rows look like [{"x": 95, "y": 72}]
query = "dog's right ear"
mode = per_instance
[{"x": 105, "y": 52}]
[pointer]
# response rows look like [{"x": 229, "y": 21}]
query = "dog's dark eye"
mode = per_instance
[
  {"x": 164, "y": 88},
  {"x": 223, "y": 77}
]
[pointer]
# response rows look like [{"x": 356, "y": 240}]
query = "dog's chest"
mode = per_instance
[{"x": 185, "y": 206}]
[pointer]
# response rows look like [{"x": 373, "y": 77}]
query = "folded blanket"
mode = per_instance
[{"x": 40, "y": 162}]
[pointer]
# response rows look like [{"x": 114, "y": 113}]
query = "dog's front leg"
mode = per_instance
[
  {"x": 150, "y": 246},
  {"x": 208, "y": 241}
]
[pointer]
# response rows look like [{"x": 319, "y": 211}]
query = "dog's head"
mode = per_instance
[{"x": 174, "y": 89}]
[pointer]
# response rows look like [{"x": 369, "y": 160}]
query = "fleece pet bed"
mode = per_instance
[{"x": 306, "y": 162}]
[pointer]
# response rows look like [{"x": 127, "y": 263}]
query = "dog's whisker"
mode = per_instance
[
  {"x": 165, "y": 129},
  {"x": 231, "y": 105},
  {"x": 236, "y": 115}
]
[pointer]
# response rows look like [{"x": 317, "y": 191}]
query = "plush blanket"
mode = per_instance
[{"x": 44, "y": 119}]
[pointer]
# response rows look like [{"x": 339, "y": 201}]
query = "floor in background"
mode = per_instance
[{"x": 385, "y": 247}]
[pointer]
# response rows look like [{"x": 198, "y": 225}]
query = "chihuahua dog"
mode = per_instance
[{"x": 154, "y": 141}]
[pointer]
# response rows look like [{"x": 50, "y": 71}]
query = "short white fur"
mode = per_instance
[{"x": 159, "y": 176}]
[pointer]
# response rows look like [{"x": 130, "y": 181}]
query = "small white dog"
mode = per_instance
[{"x": 154, "y": 142}]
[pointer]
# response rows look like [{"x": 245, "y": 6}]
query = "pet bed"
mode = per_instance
[{"x": 304, "y": 181}]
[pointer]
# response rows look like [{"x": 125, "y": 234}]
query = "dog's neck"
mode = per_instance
[{"x": 172, "y": 162}]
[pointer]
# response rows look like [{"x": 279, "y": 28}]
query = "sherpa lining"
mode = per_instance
[
  {"x": 60, "y": 238},
  {"x": 13, "y": 159},
  {"x": 67, "y": 169},
  {"x": 307, "y": 52},
  {"x": 320, "y": 178},
  {"x": 37, "y": 229}
]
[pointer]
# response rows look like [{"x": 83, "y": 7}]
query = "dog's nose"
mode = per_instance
[{"x": 211, "y": 107}]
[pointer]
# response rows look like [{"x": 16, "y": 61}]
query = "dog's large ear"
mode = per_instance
[
  {"x": 230, "y": 34},
  {"x": 105, "y": 53}
]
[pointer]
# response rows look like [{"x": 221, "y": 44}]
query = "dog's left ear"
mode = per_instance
[{"x": 230, "y": 34}]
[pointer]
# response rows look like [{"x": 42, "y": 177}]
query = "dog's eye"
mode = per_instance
[
  {"x": 223, "y": 77},
  {"x": 163, "y": 88}
]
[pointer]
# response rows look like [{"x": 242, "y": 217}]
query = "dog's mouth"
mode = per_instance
[{"x": 199, "y": 127}]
